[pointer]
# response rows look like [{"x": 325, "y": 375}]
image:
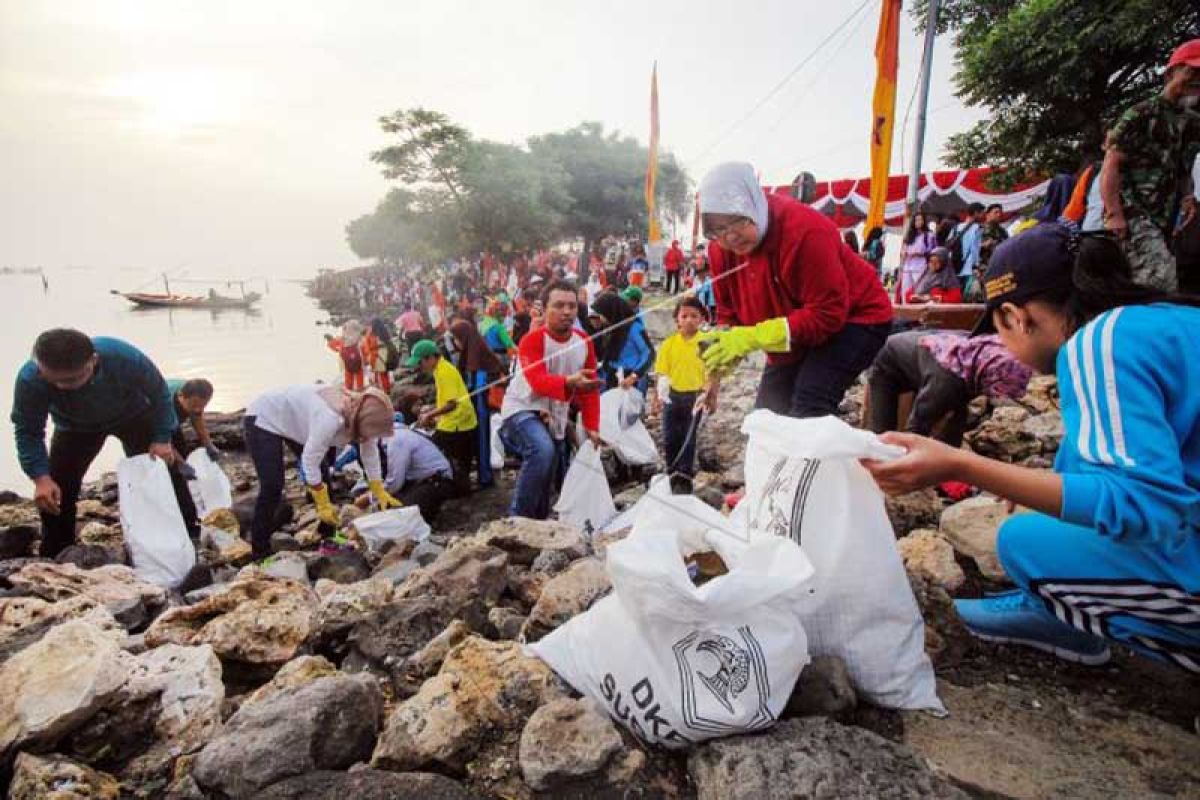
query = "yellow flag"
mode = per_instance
[
  {"x": 652, "y": 167},
  {"x": 883, "y": 108}
]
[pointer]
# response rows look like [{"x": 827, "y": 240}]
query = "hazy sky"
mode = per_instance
[{"x": 228, "y": 137}]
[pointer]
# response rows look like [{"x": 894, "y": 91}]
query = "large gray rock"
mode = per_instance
[
  {"x": 482, "y": 690},
  {"x": 89, "y": 556},
  {"x": 927, "y": 553},
  {"x": 17, "y": 541},
  {"x": 971, "y": 527},
  {"x": 56, "y": 684},
  {"x": 346, "y": 567},
  {"x": 823, "y": 689},
  {"x": 813, "y": 758},
  {"x": 470, "y": 576},
  {"x": 343, "y": 605},
  {"x": 1047, "y": 429},
  {"x": 385, "y": 639},
  {"x": 908, "y": 512},
  {"x": 256, "y": 620},
  {"x": 367, "y": 784},
  {"x": 1003, "y": 436},
  {"x": 328, "y": 724},
  {"x": 170, "y": 707},
  {"x": 567, "y": 741},
  {"x": 523, "y": 539},
  {"x": 567, "y": 595},
  {"x": 24, "y": 620},
  {"x": 116, "y": 587},
  {"x": 56, "y": 777}
]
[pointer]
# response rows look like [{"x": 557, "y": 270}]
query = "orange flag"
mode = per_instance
[
  {"x": 652, "y": 167},
  {"x": 883, "y": 108}
]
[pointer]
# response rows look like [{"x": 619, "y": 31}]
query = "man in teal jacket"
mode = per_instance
[{"x": 91, "y": 389}]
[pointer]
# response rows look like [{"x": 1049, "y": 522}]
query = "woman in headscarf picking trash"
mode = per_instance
[
  {"x": 786, "y": 283},
  {"x": 312, "y": 419}
]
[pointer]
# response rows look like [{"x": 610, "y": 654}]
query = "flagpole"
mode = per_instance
[{"x": 914, "y": 177}]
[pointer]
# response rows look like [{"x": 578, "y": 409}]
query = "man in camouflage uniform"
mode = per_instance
[{"x": 1145, "y": 181}]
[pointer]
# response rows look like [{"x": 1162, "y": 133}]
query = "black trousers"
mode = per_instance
[
  {"x": 427, "y": 495},
  {"x": 461, "y": 447},
  {"x": 266, "y": 452},
  {"x": 814, "y": 385},
  {"x": 72, "y": 452},
  {"x": 679, "y": 439},
  {"x": 673, "y": 276},
  {"x": 904, "y": 366}
]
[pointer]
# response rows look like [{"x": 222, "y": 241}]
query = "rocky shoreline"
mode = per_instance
[{"x": 400, "y": 672}]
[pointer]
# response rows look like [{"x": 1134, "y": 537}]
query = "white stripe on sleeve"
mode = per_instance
[
  {"x": 1115, "y": 424},
  {"x": 1083, "y": 440},
  {"x": 1089, "y": 370}
]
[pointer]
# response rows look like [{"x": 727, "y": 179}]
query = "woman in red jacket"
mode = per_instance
[{"x": 787, "y": 284}]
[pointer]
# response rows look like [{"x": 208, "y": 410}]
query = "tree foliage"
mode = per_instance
[
  {"x": 1054, "y": 74},
  {"x": 463, "y": 195}
]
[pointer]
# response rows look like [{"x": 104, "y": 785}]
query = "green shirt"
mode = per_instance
[{"x": 1159, "y": 141}]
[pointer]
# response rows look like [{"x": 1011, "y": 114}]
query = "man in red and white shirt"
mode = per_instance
[{"x": 557, "y": 371}]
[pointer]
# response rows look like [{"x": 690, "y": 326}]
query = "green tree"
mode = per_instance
[
  {"x": 431, "y": 151},
  {"x": 1054, "y": 74},
  {"x": 514, "y": 200},
  {"x": 605, "y": 176}
]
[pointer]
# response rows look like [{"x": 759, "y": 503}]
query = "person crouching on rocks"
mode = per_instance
[
  {"x": 1112, "y": 550},
  {"x": 310, "y": 419},
  {"x": 92, "y": 389}
]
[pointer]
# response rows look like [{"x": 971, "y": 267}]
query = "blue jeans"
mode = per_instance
[
  {"x": 1136, "y": 593},
  {"x": 814, "y": 385},
  {"x": 542, "y": 458}
]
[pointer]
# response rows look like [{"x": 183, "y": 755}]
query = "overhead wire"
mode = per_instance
[{"x": 783, "y": 82}]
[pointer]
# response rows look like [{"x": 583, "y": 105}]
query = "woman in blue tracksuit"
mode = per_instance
[
  {"x": 1113, "y": 552},
  {"x": 621, "y": 341}
]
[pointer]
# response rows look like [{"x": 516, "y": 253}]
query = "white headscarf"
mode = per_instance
[{"x": 732, "y": 188}]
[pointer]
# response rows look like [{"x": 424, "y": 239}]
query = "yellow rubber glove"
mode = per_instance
[
  {"x": 727, "y": 348},
  {"x": 325, "y": 511},
  {"x": 381, "y": 496}
]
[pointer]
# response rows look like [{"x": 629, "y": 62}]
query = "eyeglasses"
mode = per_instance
[{"x": 714, "y": 232}]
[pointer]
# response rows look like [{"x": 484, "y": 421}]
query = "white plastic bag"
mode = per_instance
[
  {"x": 497, "y": 444},
  {"x": 804, "y": 483},
  {"x": 621, "y": 427},
  {"x": 154, "y": 530},
  {"x": 675, "y": 663},
  {"x": 211, "y": 489},
  {"x": 393, "y": 525},
  {"x": 585, "y": 500}
]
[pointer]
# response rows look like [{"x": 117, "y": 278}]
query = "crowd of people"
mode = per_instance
[{"x": 1087, "y": 289}]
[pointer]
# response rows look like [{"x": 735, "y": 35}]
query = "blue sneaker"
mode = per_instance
[{"x": 1016, "y": 618}]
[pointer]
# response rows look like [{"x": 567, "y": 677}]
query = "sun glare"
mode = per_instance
[{"x": 173, "y": 104}]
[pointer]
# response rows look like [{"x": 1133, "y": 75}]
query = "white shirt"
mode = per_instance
[
  {"x": 411, "y": 457},
  {"x": 300, "y": 413}
]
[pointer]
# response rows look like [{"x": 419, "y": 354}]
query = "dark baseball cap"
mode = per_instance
[{"x": 1032, "y": 263}]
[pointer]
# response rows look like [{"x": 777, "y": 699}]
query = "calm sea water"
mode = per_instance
[{"x": 241, "y": 353}]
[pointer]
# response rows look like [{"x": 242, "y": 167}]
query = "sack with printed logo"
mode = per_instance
[
  {"x": 676, "y": 663},
  {"x": 804, "y": 484}
]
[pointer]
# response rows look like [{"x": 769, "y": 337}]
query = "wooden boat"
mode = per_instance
[{"x": 212, "y": 300}]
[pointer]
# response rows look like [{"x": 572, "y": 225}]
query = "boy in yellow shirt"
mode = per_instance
[
  {"x": 682, "y": 388},
  {"x": 454, "y": 413}
]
